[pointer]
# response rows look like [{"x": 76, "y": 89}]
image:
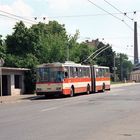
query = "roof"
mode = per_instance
[
  {"x": 17, "y": 69},
  {"x": 58, "y": 64}
]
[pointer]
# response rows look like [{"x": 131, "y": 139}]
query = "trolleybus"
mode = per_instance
[{"x": 70, "y": 78}]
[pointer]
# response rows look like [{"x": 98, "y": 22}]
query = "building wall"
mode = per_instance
[
  {"x": 14, "y": 88},
  {"x": 14, "y": 91},
  {"x": 135, "y": 76}
]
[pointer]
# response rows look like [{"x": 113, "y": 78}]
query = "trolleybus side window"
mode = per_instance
[
  {"x": 97, "y": 72},
  {"x": 75, "y": 72},
  {"x": 86, "y": 72},
  {"x": 71, "y": 72},
  {"x": 107, "y": 74},
  {"x": 66, "y": 72},
  {"x": 80, "y": 72}
]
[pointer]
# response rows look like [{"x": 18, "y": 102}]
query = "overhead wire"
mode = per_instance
[
  {"x": 88, "y": 15},
  {"x": 110, "y": 14},
  {"x": 16, "y": 17},
  {"x": 12, "y": 18},
  {"x": 125, "y": 14}
]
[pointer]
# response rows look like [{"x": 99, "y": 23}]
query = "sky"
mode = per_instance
[{"x": 102, "y": 19}]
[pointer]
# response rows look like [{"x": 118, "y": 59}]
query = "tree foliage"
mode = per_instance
[
  {"x": 2, "y": 48},
  {"x": 124, "y": 66}
]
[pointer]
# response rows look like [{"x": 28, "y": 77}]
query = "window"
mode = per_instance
[
  {"x": 17, "y": 81},
  {"x": 71, "y": 72},
  {"x": 79, "y": 72}
]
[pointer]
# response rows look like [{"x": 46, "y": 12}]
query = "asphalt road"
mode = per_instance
[{"x": 113, "y": 115}]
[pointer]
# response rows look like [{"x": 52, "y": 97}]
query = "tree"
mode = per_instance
[
  {"x": 2, "y": 48},
  {"x": 52, "y": 40},
  {"x": 124, "y": 66}
]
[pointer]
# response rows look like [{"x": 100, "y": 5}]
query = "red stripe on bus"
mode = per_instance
[
  {"x": 76, "y": 90},
  {"x": 68, "y": 80},
  {"x": 101, "y": 87},
  {"x": 102, "y": 79},
  {"x": 71, "y": 80}
]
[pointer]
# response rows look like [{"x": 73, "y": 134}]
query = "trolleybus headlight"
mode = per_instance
[
  {"x": 38, "y": 89},
  {"x": 58, "y": 88}
]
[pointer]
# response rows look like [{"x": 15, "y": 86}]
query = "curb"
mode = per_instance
[{"x": 123, "y": 84}]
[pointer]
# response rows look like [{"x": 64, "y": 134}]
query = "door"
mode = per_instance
[{"x": 5, "y": 85}]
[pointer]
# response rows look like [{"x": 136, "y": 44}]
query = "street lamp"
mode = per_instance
[{"x": 1, "y": 64}]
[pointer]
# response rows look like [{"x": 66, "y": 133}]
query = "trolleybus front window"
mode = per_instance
[{"x": 49, "y": 74}]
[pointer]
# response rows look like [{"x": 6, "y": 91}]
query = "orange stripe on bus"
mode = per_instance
[
  {"x": 76, "y": 90},
  {"x": 102, "y": 79},
  {"x": 69, "y": 80}
]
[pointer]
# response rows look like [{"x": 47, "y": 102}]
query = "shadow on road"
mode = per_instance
[{"x": 50, "y": 97}]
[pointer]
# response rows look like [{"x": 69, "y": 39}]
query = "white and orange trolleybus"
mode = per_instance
[{"x": 70, "y": 78}]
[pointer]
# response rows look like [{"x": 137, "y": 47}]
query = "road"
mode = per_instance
[{"x": 113, "y": 115}]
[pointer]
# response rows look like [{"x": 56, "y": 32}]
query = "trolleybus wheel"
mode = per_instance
[
  {"x": 71, "y": 92},
  {"x": 103, "y": 88},
  {"x": 88, "y": 89}
]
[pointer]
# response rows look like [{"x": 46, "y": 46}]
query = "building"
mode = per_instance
[
  {"x": 135, "y": 74},
  {"x": 12, "y": 81},
  {"x": 93, "y": 43}
]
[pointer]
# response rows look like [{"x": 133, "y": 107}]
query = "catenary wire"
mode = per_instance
[
  {"x": 13, "y": 18},
  {"x": 110, "y": 14},
  {"x": 118, "y": 10},
  {"x": 20, "y": 17}
]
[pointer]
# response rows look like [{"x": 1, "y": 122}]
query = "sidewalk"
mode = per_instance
[
  {"x": 123, "y": 84},
  {"x": 29, "y": 97},
  {"x": 18, "y": 98}
]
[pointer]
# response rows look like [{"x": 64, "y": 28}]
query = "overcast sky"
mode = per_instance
[{"x": 103, "y": 19}]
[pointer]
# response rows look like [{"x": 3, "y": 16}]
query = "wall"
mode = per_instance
[{"x": 12, "y": 90}]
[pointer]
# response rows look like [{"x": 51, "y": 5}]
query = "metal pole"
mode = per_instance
[
  {"x": 1, "y": 64},
  {"x": 114, "y": 68},
  {"x": 136, "y": 59},
  {"x": 67, "y": 52},
  {"x": 1, "y": 83}
]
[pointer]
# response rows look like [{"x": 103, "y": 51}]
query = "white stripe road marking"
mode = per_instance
[
  {"x": 63, "y": 105},
  {"x": 49, "y": 109}
]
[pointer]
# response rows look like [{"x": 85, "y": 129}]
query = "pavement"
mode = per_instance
[
  {"x": 18, "y": 98},
  {"x": 29, "y": 97},
  {"x": 123, "y": 84}
]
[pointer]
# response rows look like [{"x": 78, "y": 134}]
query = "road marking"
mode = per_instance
[
  {"x": 49, "y": 109},
  {"x": 63, "y": 105}
]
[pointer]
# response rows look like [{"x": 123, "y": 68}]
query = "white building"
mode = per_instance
[{"x": 12, "y": 81}]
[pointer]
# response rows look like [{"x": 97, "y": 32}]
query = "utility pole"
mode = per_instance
[
  {"x": 136, "y": 60},
  {"x": 1, "y": 64},
  {"x": 121, "y": 67},
  {"x": 68, "y": 52},
  {"x": 114, "y": 67}
]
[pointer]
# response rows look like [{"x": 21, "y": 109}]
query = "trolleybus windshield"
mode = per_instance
[{"x": 50, "y": 74}]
